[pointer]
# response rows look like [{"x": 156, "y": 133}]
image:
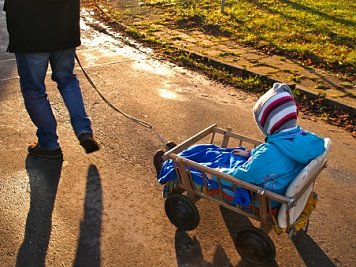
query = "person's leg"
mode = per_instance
[
  {"x": 32, "y": 69},
  {"x": 62, "y": 64}
]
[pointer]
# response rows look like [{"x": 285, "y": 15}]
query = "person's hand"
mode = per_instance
[{"x": 242, "y": 153}]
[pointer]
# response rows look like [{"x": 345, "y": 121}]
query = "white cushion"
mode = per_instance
[{"x": 297, "y": 184}]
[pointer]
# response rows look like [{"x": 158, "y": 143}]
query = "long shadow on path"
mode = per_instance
[
  {"x": 189, "y": 251},
  {"x": 310, "y": 252},
  {"x": 43, "y": 177},
  {"x": 88, "y": 250}
]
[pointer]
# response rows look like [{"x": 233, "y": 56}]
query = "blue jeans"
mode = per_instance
[{"x": 32, "y": 68}]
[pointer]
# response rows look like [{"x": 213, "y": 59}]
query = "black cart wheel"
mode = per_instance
[
  {"x": 170, "y": 145},
  {"x": 182, "y": 212},
  {"x": 255, "y": 246},
  {"x": 158, "y": 161}
]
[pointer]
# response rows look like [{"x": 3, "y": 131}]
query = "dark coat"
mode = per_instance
[{"x": 42, "y": 25}]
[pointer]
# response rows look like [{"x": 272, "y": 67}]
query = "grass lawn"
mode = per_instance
[{"x": 320, "y": 32}]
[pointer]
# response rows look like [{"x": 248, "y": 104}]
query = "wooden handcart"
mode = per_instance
[{"x": 253, "y": 244}]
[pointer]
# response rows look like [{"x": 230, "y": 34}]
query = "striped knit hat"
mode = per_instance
[{"x": 276, "y": 110}]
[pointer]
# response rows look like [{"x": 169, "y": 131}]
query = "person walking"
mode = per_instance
[{"x": 43, "y": 32}]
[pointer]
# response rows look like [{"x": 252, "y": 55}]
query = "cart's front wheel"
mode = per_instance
[
  {"x": 255, "y": 246},
  {"x": 182, "y": 212}
]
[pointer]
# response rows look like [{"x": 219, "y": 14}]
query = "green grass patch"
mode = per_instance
[
  {"x": 134, "y": 32},
  {"x": 322, "y": 32},
  {"x": 252, "y": 83}
]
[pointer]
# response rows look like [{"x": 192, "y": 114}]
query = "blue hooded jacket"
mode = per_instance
[{"x": 274, "y": 164}]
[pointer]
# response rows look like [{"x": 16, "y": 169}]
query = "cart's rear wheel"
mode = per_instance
[
  {"x": 255, "y": 246},
  {"x": 182, "y": 212}
]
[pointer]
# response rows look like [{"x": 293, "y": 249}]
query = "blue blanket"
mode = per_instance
[{"x": 211, "y": 156}]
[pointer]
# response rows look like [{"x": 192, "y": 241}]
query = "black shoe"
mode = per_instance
[
  {"x": 37, "y": 151},
  {"x": 88, "y": 142}
]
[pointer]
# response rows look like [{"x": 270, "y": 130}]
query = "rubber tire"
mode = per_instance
[
  {"x": 182, "y": 212},
  {"x": 170, "y": 145},
  {"x": 255, "y": 246},
  {"x": 158, "y": 161}
]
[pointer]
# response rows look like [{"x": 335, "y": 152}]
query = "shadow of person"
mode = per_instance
[
  {"x": 189, "y": 252},
  {"x": 44, "y": 175},
  {"x": 310, "y": 252},
  {"x": 88, "y": 249}
]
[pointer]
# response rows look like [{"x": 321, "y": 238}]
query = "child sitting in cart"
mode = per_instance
[{"x": 287, "y": 149}]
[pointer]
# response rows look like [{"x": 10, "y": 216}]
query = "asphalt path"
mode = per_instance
[{"x": 106, "y": 209}]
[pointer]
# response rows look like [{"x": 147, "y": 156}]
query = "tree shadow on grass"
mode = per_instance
[
  {"x": 44, "y": 175},
  {"x": 315, "y": 11},
  {"x": 88, "y": 250}
]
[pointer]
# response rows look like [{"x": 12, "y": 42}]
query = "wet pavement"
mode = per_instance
[{"x": 106, "y": 209}]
